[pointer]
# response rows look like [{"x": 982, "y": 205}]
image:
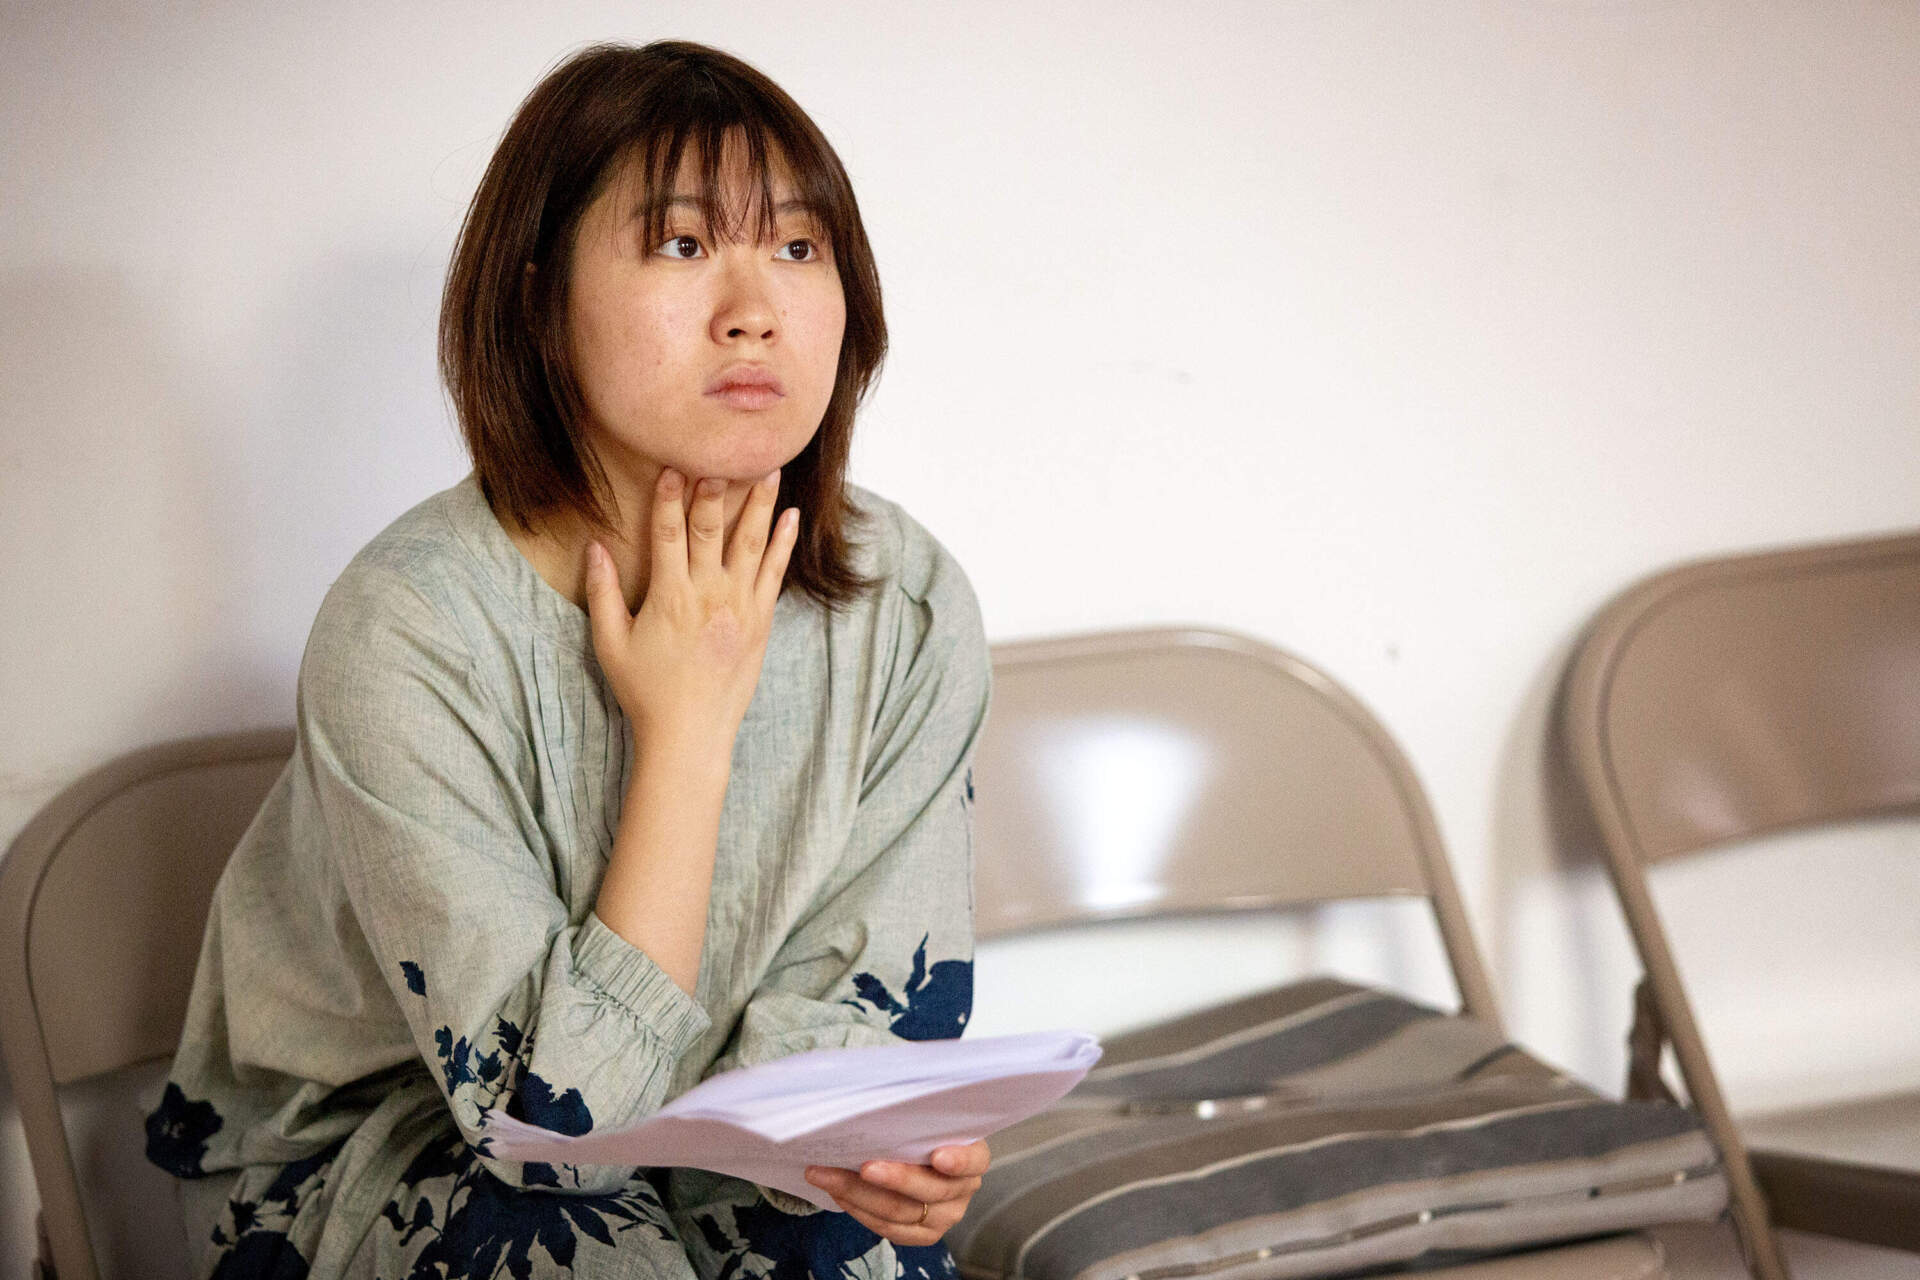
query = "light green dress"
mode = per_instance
[{"x": 404, "y": 938}]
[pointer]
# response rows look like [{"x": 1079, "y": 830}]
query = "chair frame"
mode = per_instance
[
  {"x": 1824, "y": 1196},
  {"x": 65, "y": 1247}
]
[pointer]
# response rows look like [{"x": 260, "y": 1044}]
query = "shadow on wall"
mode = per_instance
[
  {"x": 1564, "y": 960},
  {"x": 174, "y": 515},
  {"x": 348, "y": 427},
  {"x": 113, "y": 632},
  {"x": 114, "y": 578}
]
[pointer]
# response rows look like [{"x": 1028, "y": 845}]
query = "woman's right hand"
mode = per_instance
[{"x": 685, "y": 666}]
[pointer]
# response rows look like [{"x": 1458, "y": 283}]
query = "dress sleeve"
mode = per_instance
[
  {"x": 888, "y": 953},
  {"x": 413, "y": 776}
]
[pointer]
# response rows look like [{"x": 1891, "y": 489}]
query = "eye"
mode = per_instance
[
  {"x": 810, "y": 250},
  {"x": 673, "y": 247}
]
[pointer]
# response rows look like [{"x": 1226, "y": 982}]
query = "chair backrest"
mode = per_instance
[
  {"x": 1743, "y": 695},
  {"x": 103, "y": 901},
  {"x": 1171, "y": 770}
]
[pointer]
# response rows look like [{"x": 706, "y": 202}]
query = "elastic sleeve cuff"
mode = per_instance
[{"x": 629, "y": 977}]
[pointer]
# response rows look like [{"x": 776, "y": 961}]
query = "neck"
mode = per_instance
[{"x": 557, "y": 546}]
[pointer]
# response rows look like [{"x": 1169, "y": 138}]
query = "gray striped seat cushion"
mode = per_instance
[{"x": 1318, "y": 1129}]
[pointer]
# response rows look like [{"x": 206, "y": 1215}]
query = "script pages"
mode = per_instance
[{"x": 830, "y": 1107}]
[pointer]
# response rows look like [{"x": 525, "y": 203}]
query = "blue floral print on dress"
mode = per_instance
[
  {"x": 254, "y": 1237},
  {"x": 938, "y": 1002},
  {"x": 178, "y": 1130},
  {"x": 535, "y": 1101},
  {"x": 483, "y": 1226}
]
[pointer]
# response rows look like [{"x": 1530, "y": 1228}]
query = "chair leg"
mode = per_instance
[
  {"x": 1758, "y": 1245},
  {"x": 43, "y": 1249},
  {"x": 1668, "y": 1009}
]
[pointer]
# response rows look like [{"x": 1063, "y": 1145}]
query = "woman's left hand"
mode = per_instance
[{"x": 910, "y": 1204}]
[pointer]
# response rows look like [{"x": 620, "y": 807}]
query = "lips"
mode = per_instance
[{"x": 752, "y": 377}]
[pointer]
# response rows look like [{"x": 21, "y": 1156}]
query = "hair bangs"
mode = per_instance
[{"x": 716, "y": 126}]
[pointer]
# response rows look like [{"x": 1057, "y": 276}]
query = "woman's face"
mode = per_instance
[{"x": 658, "y": 330}]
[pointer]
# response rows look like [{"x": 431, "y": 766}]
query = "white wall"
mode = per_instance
[{"x": 1399, "y": 335}]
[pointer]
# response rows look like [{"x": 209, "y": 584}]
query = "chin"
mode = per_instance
[
  {"x": 747, "y": 457},
  {"x": 744, "y": 466}
]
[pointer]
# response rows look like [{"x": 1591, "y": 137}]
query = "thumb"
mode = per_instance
[{"x": 606, "y": 607}]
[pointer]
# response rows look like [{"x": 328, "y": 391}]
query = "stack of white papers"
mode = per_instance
[{"x": 837, "y": 1107}]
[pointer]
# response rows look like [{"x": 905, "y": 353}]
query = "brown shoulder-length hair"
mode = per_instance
[{"x": 504, "y": 351}]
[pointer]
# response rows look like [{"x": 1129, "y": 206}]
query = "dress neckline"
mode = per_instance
[
  {"x": 511, "y": 574},
  {"x": 513, "y": 578}
]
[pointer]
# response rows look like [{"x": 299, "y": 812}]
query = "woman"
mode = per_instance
[{"x": 606, "y": 779}]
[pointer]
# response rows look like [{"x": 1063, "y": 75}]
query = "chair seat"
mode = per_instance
[
  {"x": 1849, "y": 1169},
  {"x": 1883, "y": 1130},
  {"x": 1633, "y": 1257},
  {"x": 1711, "y": 1251},
  {"x": 1321, "y": 1128},
  {"x": 133, "y": 1208}
]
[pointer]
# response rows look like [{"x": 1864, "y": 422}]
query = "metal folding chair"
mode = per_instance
[
  {"x": 103, "y": 900},
  {"x": 1291, "y": 793},
  {"x": 1727, "y": 699}
]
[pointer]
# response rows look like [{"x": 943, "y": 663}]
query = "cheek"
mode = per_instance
[
  {"x": 825, "y": 321},
  {"x": 638, "y": 324},
  {"x": 598, "y": 331},
  {"x": 630, "y": 338},
  {"x": 651, "y": 337}
]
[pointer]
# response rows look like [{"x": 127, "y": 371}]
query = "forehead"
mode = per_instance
[
  {"x": 734, "y": 168},
  {"x": 731, "y": 190}
]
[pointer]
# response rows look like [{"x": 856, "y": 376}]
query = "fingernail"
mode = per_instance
[
  {"x": 670, "y": 481},
  {"x": 772, "y": 476},
  {"x": 594, "y": 556}
]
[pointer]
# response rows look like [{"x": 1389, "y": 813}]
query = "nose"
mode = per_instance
[{"x": 744, "y": 308}]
